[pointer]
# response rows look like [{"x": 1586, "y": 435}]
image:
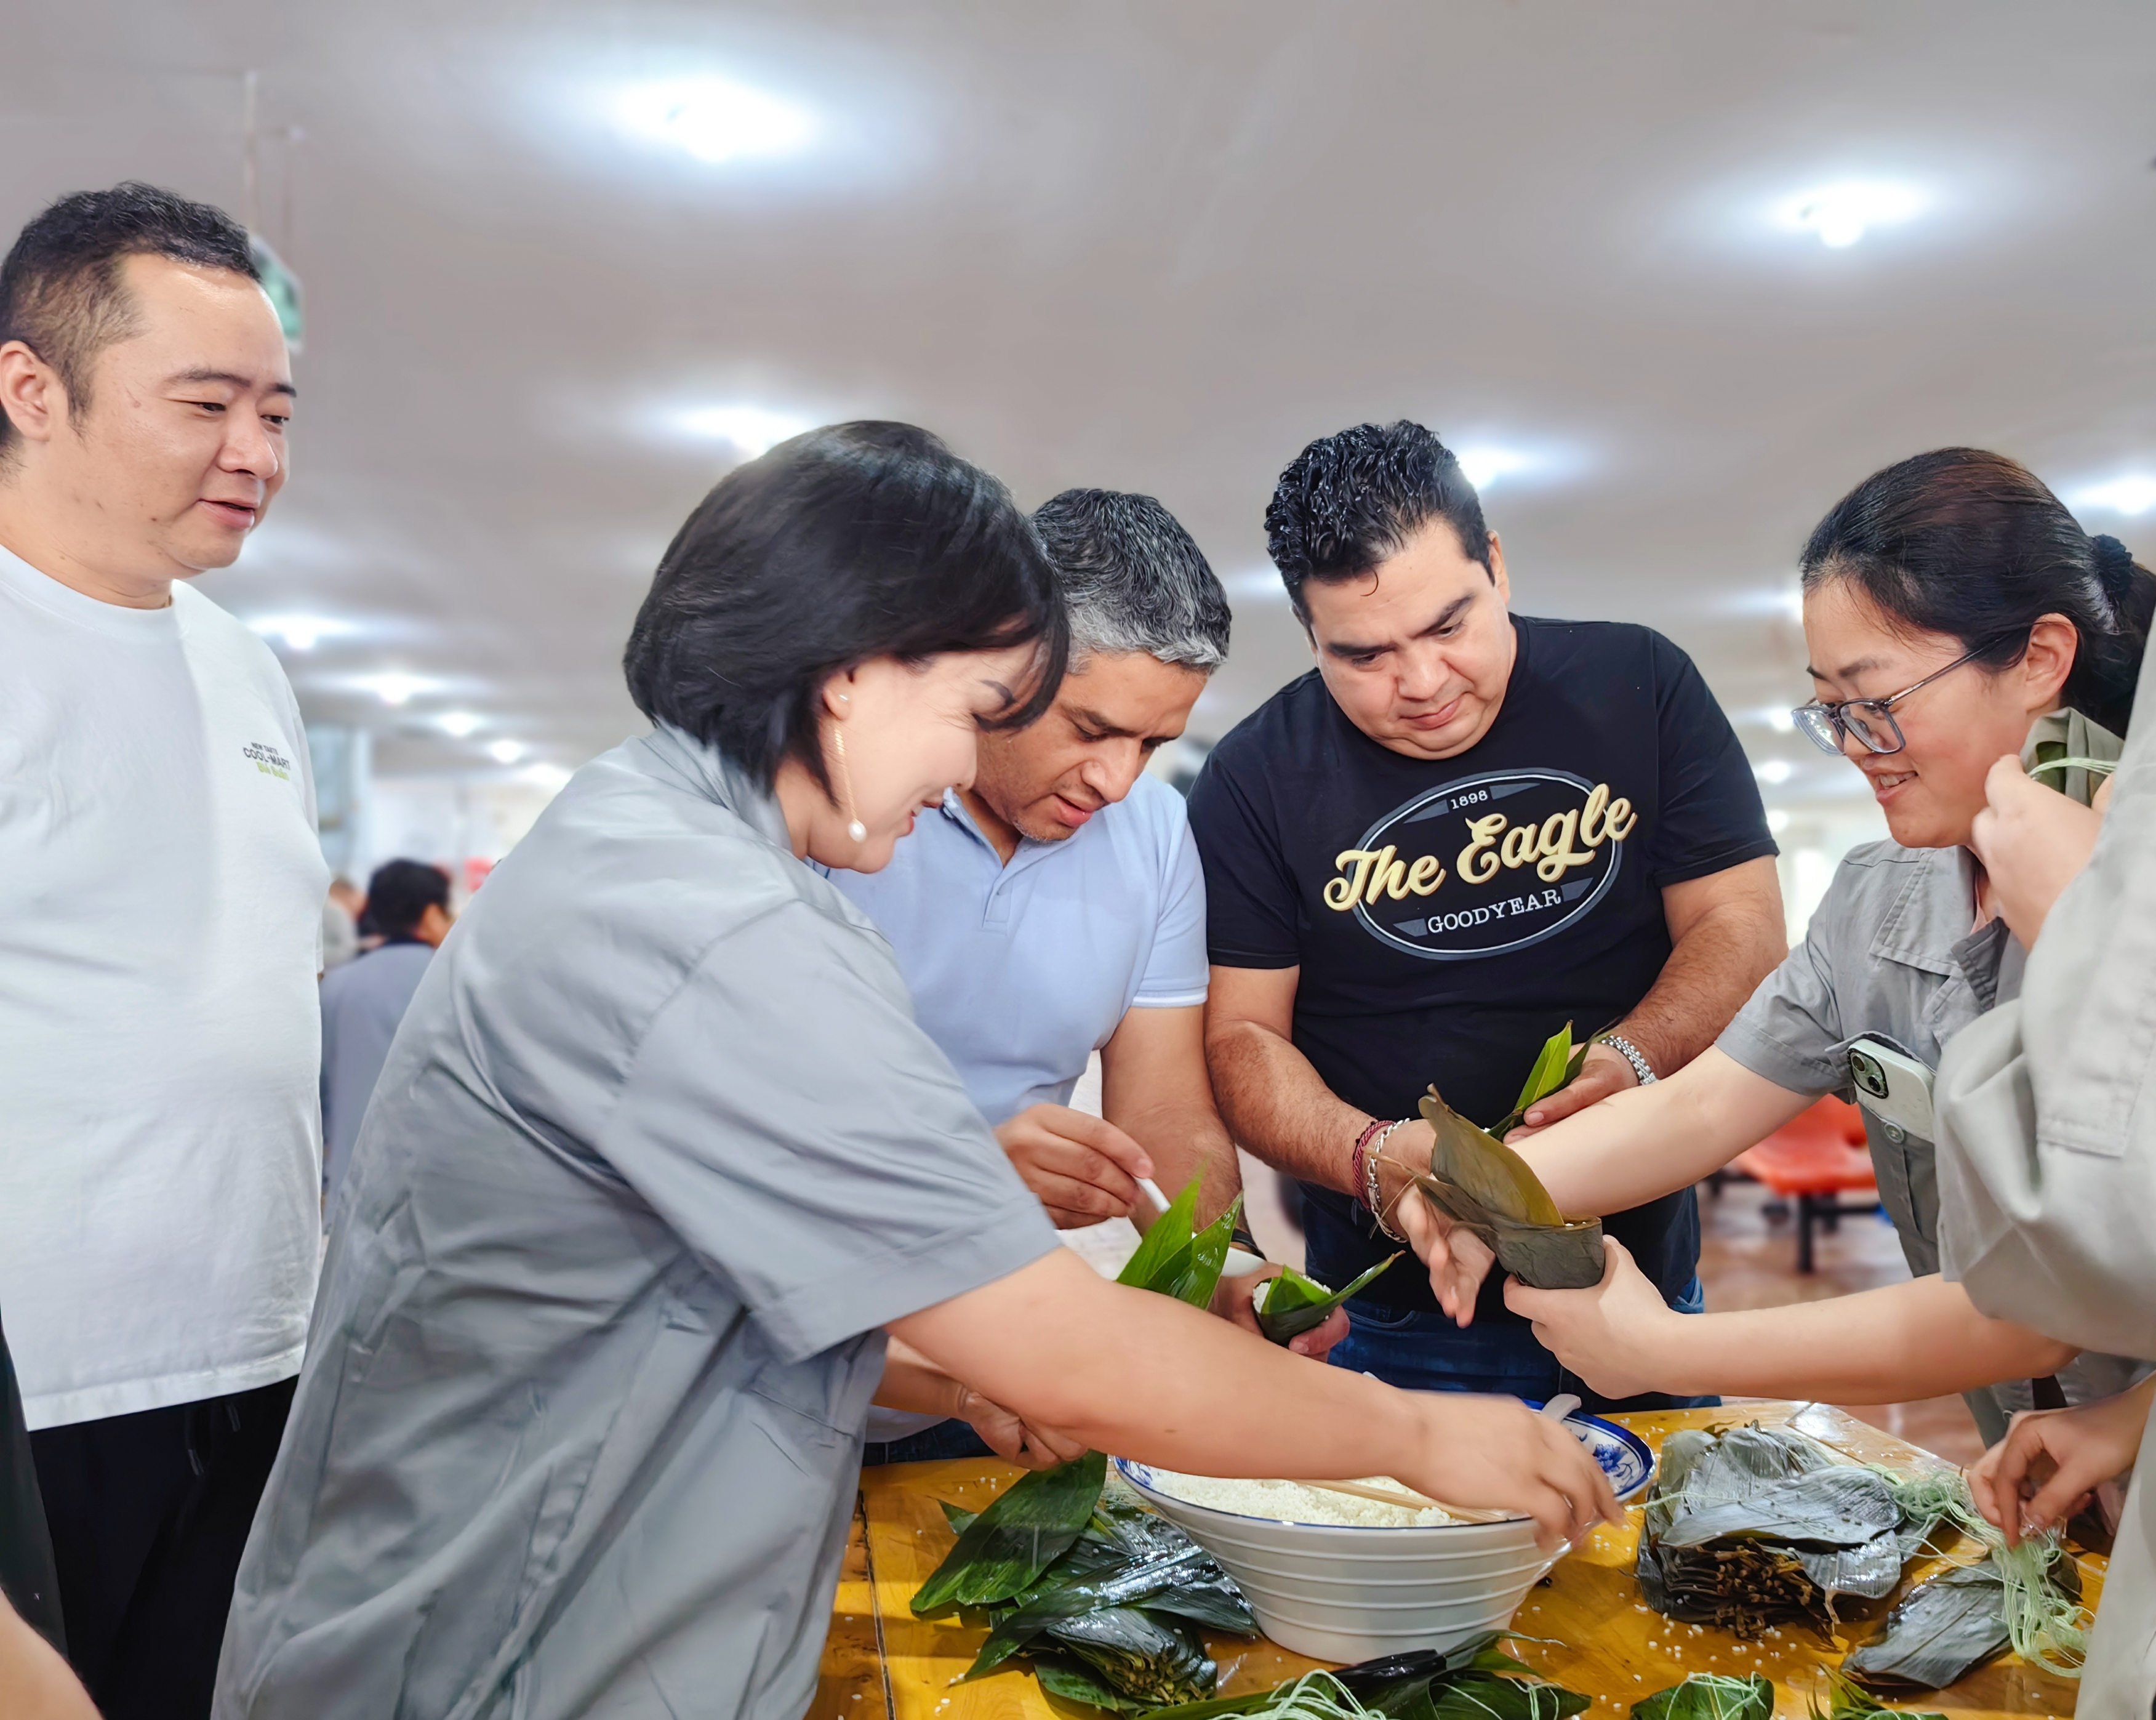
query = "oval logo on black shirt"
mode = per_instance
[{"x": 1485, "y": 864}]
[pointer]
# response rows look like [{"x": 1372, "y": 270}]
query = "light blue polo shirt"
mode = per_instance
[{"x": 1020, "y": 971}]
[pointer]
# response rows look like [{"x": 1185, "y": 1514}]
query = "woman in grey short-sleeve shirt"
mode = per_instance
[
  {"x": 659, "y": 1155},
  {"x": 1950, "y": 603}
]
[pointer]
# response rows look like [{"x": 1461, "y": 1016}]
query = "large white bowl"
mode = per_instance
[{"x": 1341, "y": 1594}]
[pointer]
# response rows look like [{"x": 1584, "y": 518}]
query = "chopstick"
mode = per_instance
[{"x": 1410, "y": 1500}]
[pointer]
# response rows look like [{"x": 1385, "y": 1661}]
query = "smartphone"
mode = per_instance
[{"x": 1891, "y": 1085}]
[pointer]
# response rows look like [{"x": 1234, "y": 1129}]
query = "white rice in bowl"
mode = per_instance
[{"x": 1291, "y": 1502}]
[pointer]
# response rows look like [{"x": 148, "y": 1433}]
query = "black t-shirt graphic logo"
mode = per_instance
[{"x": 1485, "y": 864}]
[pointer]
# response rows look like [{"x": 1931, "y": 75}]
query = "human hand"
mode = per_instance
[
  {"x": 1613, "y": 1335},
  {"x": 1495, "y": 1453},
  {"x": 1458, "y": 1259},
  {"x": 2051, "y": 1460},
  {"x": 1082, "y": 1168},
  {"x": 2033, "y": 842},
  {"x": 1231, "y": 1302},
  {"x": 1601, "y": 1071},
  {"x": 1013, "y": 1438}
]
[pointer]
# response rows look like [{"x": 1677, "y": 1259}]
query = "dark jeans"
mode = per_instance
[
  {"x": 26, "y": 1550},
  {"x": 1422, "y": 1350},
  {"x": 947, "y": 1439},
  {"x": 149, "y": 1515}
]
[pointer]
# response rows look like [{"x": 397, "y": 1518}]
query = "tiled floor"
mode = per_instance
[{"x": 1747, "y": 1260}]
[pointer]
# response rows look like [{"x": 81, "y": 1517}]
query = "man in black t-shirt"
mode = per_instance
[{"x": 1463, "y": 829}]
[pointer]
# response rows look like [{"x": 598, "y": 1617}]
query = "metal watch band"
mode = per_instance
[{"x": 1632, "y": 1054}]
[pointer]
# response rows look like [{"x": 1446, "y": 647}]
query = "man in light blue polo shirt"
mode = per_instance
[{"x": 1057, "y": 908}]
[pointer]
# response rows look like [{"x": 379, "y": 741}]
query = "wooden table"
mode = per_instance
[{"x": 881, "y": 1663}]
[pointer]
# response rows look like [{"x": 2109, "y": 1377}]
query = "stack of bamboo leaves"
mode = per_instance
[
  {"x": 1476, "y": 1680},
  {"x": 1752, "y": 1527},
  {"x": 1103, "y": 1599}
]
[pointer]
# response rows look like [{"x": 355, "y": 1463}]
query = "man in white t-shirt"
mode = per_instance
[
  {"x": 1056, "y": 908},
  {"x": 160, "y": 898}
]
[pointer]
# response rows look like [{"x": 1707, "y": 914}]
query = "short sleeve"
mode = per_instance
[
  {"x": 1790, "y": 1031},
  {"x": 1251, "y": 918},
  {"x": 787, "y": 1117},
  {"x": 1175, "y": 975},
  {"x": 1710, "y": 816}
]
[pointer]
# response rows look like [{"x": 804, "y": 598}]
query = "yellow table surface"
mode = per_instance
[{"x": 881, "y": 1663}]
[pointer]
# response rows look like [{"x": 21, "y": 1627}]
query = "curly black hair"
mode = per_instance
[{"x": 1349, "y": 500}]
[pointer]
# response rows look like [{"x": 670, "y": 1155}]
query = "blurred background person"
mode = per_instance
[
  {"x": 362, "y": 1001},
  {"x": 340, "y": 911},
  {"x": 160, "y": 900}
]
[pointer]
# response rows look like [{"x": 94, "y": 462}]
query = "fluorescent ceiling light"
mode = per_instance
[
  {"x": 753, "y": 430},
  {"x": 716, "y": 120},
  {"x": 1774, "y": 770},
  {"x": 459, "y": 723},
  {"x": 300, "y": 633},
  {"x": 1483, "y": 465},
  {"x": 2134, "y": 493},
  {"x": 1841, "y": 214},
  {"x": 393, "y": 688},
  {"x": 1777, "y": 820},
  {"x": 506, "y": 752},
  {"x": 549, "y": 777}
]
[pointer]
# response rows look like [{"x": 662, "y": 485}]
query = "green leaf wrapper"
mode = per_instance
[
  {"x": 1026, "y": 1528},
  {"x": 1291, "y": 1304},
  {"x": 1710, "y": 1696}
]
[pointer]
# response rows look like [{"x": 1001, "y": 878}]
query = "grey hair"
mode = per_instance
[{"x": 1133, "y": 580}]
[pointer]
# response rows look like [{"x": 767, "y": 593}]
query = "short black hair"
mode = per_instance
[
  {"x": 1347, "y": 501},
  {"x": 1134, "y": 579},
  {"x": 61, "y": 293},
  {"x": 852, "y": 542},
  {"x": 400, "y": 891}
]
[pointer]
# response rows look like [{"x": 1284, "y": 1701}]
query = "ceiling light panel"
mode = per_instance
[
  {"x": 394, "y": 687},
  {"x": 751, "y": 429},
  {"x": 715, "y": 120},
  {"x": 1841, "y": 214}
]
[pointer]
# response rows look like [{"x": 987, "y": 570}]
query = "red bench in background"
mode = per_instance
[{"x": 1814, "y": 1159}]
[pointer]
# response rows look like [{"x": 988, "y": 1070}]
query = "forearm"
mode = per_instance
[
  {"x": 1644, "y": 1142},
  {"x": 1187, "y": 1139},
  {"x": 1175, "y": 1387},
  {"x": 911, "y": 1381},
  {"x": 1920, "y": 1339},
  {"x": 1715, "y": 963},
  {"x": 1279, "y": 1107}
]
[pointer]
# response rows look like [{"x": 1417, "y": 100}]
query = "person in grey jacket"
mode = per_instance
[
  {"x": 2047, "y": 1171},
  {"x": 407, "y": 902},
  {"x": 1951, "y": 603}
]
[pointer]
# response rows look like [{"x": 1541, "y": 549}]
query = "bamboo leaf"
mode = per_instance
[
  {"x": 1710, "y": 1696},
  {"x": 1027, "y": 1528},
  {"x": 1162, "y": 1256},
  {"x": 1548, "y": 1075},
  {"x": 1208, "y": 1255},
  {"x": 1293, "y": 1304},
  {"x": 1484, "y": 1167}
]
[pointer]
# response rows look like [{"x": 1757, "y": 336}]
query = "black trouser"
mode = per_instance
[
  {"x": 26, "y": 1550},
  {"x": 149, "y": 1515}
]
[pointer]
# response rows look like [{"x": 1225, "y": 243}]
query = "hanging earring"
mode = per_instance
[{"x": 854, "y": 827}]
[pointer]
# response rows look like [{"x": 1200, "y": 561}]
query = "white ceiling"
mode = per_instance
[{"x": 1154, "y": 245}]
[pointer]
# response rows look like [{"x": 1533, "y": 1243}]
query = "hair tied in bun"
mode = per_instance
[{"x": 2114, "y": 567}]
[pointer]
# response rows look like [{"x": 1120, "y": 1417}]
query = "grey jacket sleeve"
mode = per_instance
[{"x": 2047, "y": 1114}]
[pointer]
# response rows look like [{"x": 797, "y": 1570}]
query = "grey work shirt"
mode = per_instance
[
  {"x": 658, "y": 1153},
  {"x": 1889, "y": 952}
]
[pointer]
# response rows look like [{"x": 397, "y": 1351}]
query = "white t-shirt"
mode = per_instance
[{"x": 160, "y": 903}]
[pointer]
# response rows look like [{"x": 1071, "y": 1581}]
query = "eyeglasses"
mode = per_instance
[{"x": 1870, "y": 721}]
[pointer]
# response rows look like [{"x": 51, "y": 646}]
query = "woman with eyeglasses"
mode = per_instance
[{"x": 1954, "y": 610}]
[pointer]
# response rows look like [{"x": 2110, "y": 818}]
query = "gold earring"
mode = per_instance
[{"x": 854, "y": 827}]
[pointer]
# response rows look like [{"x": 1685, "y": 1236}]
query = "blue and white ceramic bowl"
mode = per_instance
[{"x": 1350, "y": 1594}]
